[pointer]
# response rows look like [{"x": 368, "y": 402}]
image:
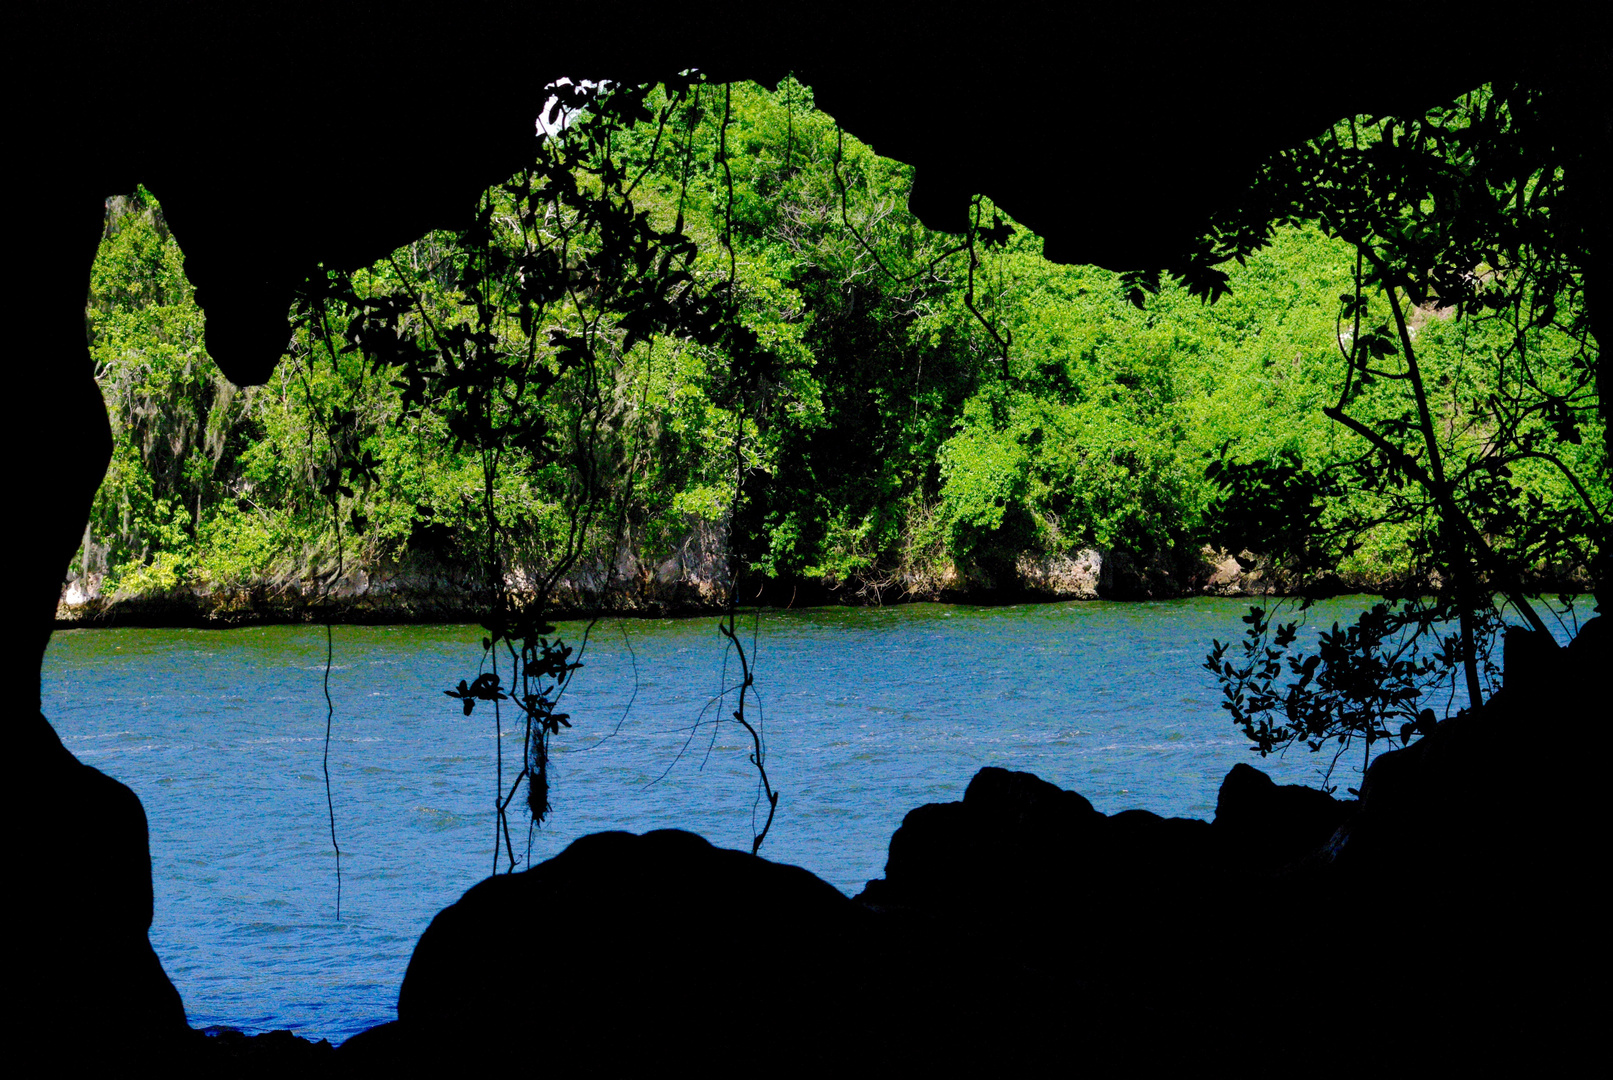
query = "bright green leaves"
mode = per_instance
[{"x": 885, "y": 434}]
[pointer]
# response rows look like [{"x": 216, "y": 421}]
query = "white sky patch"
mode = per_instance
[{"x": 554, "y": 119}]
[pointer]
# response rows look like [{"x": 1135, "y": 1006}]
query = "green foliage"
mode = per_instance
[
  {"x": 1116, "y": 410},
  {"x": 885, "y": 436},
  {"x": 1467, "y": 388},
  {"x": 171, "y": 410}
]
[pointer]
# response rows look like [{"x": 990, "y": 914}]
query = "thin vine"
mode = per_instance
[
  {"x": 343, "y": 467},
  {"x": 515, "y": 337},
  {"x": 742, "y": 372}
]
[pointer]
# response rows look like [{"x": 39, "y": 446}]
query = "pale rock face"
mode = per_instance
[
  {"x": 1072, "y": 576},
  {"x": 693, "y": 575},
  {"x": 1226, "y": 575},
  {"x": 79, "y": 591}
]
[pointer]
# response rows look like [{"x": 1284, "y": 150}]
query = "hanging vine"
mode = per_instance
[
  {"x": 515, "y": 333},
  {"x": 747, "y": 375},
  {"x": 341, "y": 469}
]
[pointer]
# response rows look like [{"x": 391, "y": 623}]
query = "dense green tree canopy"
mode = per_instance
[{"x": 892, "y": 438}]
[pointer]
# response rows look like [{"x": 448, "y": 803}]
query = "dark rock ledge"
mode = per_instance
[{"x": 1448, "y": 918}]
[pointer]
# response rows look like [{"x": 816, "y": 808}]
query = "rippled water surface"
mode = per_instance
[{"x": 868, "y": 713}]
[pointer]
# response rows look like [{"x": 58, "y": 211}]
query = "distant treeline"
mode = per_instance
[{"x": 904, "y": 438}]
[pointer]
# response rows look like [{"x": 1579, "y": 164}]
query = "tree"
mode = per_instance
[{"x": 1457, "y": 213}]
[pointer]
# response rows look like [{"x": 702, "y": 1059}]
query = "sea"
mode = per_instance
[{"x": 865, "y": 713}]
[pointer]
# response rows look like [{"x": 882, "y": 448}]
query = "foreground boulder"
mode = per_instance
[
  {"x": 627, "y": 951},
  {"x": 1471, "y": 863},
  {"x": 1493, "y": 806},
  {"x": 1021, "y": 867},
  {"x": 627, "y": 955},
  {"x": 1264, "y": 828},
  {"x": 624, "y": 946},
  {"x": 82, "y": 977}
]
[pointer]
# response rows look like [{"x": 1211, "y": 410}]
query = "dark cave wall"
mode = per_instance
[{"x": 1109, "y": 132}]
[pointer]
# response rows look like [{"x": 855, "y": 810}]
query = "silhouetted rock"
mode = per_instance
[
  {"x": 1031, "y": 872},
  {"x": 1486, "y": 800},
  {"x": 82, "y": 977},
  {"x": 626, "y": 954},
  {"x": 1468, "y": 850},
  {"x": 633, "y": 950},
  {"x": 1262, "y": 826},
  {"x": 226, "y": 1052},
  {"x": 998, "y": 837}
]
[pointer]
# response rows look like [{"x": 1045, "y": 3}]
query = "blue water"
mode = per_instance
[{"x": 867, "y": 713}]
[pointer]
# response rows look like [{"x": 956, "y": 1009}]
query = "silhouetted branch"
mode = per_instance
[
  {"x": 969, "y": 295},
  {"x": 845, "y": 219}
]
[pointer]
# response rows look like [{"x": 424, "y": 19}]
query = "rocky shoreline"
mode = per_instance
[{"x": 692, "y": 580}]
